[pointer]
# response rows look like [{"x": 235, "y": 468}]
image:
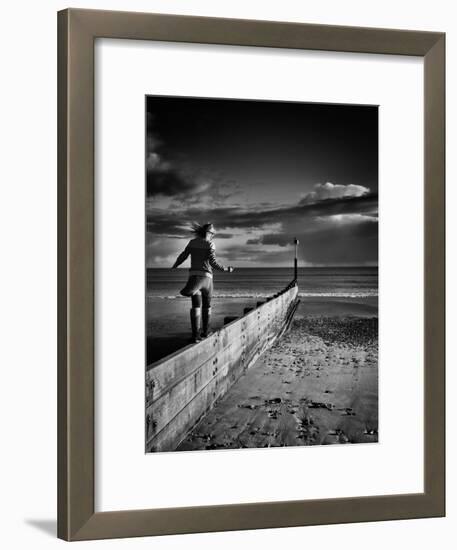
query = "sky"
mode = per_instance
[{"x": 263, "y": 172}]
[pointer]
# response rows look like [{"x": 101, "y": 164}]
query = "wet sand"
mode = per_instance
[
  {"x": 318, "y": 385},
  {"x": 168, "y": 324}
]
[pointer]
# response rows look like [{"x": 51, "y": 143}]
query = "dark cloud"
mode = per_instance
[
  {"x": 174, "y": 178},
  {"x": 251, "y": 168},
  {"x": 176, "y": 222},
  {"x": 349, "y": 241},
  {"x": 164, "y": 223},
  {"x": 163, "y": 176},
  {"x": 331, "y": 231},
  {"x": 259, "y": 255},
  {"x": 341, "y": 205},
  {"x": 169, "y": 182},
  {"x": 280, "y": 239},
  {"x": 352, "y": 243}
]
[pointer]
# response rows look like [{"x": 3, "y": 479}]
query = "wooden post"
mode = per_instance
[{"x": 296, "y": 241}]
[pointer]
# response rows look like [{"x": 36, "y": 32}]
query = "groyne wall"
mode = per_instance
[{"x": 182, "y": 387}]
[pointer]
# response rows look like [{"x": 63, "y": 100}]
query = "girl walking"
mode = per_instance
[{"x": 199, "y": 286}]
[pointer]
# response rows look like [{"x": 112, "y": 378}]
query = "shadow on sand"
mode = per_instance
[{"x": 159, "y": 347}]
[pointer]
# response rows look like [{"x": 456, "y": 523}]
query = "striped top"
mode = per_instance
[{"x": 202, "y": 257}]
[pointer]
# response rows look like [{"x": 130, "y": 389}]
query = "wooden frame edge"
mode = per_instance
[
  {"x": 434, "y": 272},
  {"x": 77, "y": 30},
  {"x": 75, "y": 276},
  {"x": 62, "y": 394}
]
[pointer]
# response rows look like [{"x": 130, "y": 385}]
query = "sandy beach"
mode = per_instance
[
  {"x": 317, "y": 385},
  {"x": 168, "y": 324}
]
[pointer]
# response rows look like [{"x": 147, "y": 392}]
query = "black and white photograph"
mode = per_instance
[
  {"x": 261, "y": 274},
  {"x": 225, "y": 242}
]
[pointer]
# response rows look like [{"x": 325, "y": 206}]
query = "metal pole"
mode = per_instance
[{"x": 296, "y": 241}]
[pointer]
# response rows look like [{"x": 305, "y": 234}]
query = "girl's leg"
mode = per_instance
[
  {"x": 192, "y": 289},
  {"x": 196, "y": 300},
  {"x": 195, "y": 316},
  {"x": 207, "y": 292}
]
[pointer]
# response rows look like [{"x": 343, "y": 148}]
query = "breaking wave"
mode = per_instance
[{"x": 342, "y": 294}]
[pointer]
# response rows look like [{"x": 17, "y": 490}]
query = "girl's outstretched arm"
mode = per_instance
[
  {"x": 214, "y": 263},
  {"x": 182, "y": 257}
]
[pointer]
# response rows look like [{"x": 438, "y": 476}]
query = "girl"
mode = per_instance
[{"x": 199, "y": 285}]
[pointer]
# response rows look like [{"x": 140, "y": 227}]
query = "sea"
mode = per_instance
[
  {"x": 325, "y": 291},
  {"x": 259, "y": 282}
]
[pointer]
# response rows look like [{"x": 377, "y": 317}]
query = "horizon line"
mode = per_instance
[{"x": 284, "y": 266}]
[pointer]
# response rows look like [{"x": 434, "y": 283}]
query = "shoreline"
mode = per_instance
[{"x": 168, "y": 324}]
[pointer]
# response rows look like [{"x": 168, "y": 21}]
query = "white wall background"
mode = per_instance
[{"x": 28, "y": 268}]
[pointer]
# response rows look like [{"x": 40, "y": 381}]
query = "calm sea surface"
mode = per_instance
[{"x": 341, "y": 282}]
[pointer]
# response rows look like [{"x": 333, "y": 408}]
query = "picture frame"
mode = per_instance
[{"x": 77, "y": 31}]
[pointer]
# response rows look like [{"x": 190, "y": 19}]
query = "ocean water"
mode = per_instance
[
  {"x": 323, "y": 291},
  {"x": 313, "y": 282}
]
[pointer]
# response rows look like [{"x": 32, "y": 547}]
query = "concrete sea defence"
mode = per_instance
[{"x": 183, "y": 387}]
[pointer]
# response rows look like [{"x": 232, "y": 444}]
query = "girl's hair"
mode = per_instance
[{"x": 200, "y": 230}]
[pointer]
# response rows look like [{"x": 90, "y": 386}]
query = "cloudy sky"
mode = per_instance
[{"x": 263, "y": 173}]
